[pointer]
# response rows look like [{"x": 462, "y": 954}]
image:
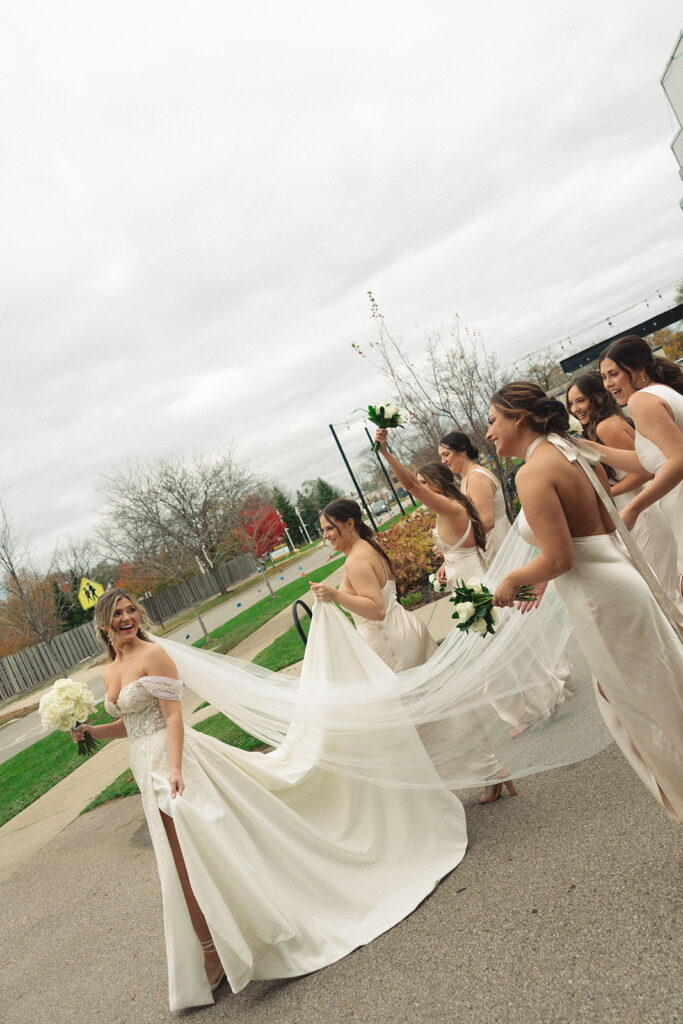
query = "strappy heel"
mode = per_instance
[
  {"x": 491, "y": 798},
  {"x": 208, "y": 948}
]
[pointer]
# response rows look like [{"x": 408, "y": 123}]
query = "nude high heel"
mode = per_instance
[{"x": 497, "y": 791}]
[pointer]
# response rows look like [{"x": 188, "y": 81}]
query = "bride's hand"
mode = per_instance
[
  {"x": 505, "y": 594},
  {"x": 78, "y": 734},
  {"x": 175, "y": 781},
  {"x": 381, "y": 439},
  {"x": 323, "y": 592},
  {"x": 441, "y": 574}
]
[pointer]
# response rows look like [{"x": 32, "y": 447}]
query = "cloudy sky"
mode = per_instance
[{"x": 196, "y": 199}]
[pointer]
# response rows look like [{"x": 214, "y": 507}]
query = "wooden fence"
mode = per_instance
[
  {"x": 167, "y": 603},
  {"x": 35, "y": 665}
]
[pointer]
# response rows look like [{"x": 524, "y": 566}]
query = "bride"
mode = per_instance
[
  {"x": 569, "y": 517},
  {"x": 270, "y": 866}
]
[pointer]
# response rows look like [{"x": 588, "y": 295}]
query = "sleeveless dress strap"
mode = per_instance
[
  {"x": 489, "y": 476},
  {"x": 575, "y": 451}
]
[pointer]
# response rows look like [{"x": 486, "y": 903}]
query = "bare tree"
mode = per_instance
[
  {"x": 450, "y": 388},
  {"x": 544, "y": 371},
  {"x": 28, "y": 611},
  {"x": 176, "y": 516}
]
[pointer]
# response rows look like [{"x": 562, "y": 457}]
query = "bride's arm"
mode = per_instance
[
  {"x": 546, "y": 518},
  {"x": 110, "y": 731},
  {"x": 159, "y": 663},
  {"x": 436, "y": 502},
  {"x": 173, "y": 713}
]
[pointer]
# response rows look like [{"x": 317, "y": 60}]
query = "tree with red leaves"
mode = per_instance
[{"x": 261, "y": 528}]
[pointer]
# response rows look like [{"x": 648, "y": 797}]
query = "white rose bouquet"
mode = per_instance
[
  {"x": 66, "y": 706},
  {"x": 385, "y": 416},
  {"x": 474, "y": 606},
  {"x": 439, "y": 587}
]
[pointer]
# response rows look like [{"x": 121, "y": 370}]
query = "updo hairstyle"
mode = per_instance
[
  {"x": 341, "y": 510},
  {"x": 444, "y": 482},
  {"x": 633, "y": 353},
  {"x": 524, "y": 398},
  {"x": 104, "y": 613},
  {"x": 456, "y": 441}
]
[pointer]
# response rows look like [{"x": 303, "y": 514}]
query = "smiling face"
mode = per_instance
[
  {"x": 454, "y": 460},
  {"x": 125, "y": 621},
  {"x": 619, "y": 383},
  {"x": 579, "y": 405},
  {"x": 335, "y": 534},
  {"x": 502, "y": 432}
]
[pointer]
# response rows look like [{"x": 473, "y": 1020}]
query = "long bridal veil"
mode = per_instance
[{"x": 501, "y": 706}]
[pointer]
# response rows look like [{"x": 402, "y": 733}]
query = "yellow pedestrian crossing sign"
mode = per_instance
[{"x": 88, "y": 592}]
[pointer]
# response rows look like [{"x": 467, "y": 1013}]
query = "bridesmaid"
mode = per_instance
[
  {"x": 368, "y": 590},
  {"x": 479, "y": 485},
  {"x": 603, "y": 421},
  {"x": 617, "y": 621},
  {"x": 652, "y": 388},
  {"x": 459, "y": 532}
]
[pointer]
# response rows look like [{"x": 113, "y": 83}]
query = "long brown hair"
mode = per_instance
[
  {"x": 444, "y": 482},
  {"x": 104, "y": 613},
  {"x": 631, "y": 353},
  {"x": 525, "y": 398},
  {"x": 602, "y": 404},
  {"x": 343, "y": 509}
]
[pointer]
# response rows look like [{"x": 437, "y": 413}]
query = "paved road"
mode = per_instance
[
  {"x": 16, "y": 736},
  {"x": 565, "y": 910}
]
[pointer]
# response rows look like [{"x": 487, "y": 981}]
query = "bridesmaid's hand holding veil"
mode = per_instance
[{"x": 324, "y": 592}]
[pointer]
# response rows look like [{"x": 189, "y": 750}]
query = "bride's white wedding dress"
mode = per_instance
[
  {"x": 633, "y": 652},
  {"x": 292, "y": 865}
]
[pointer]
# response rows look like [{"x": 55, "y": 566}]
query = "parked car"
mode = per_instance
[{"x": 379, "y": 507}]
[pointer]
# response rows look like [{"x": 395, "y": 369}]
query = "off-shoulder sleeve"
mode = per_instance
[{"x": 162, "y": 687}]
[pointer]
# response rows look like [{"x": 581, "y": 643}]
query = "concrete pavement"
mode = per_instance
[{"x": 565, "y": 910}]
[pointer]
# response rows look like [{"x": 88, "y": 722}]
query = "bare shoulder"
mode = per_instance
[
  {"x": 644, "y": 402},
  {"x": 158, "y": 663},
  {"x": 613, "y": 431}
]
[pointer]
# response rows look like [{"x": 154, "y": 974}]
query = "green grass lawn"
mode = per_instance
[
  {"x": 231, "y": 633},
  {"x": 218, "y": 725},
  {"x": 31, "y": 772}
]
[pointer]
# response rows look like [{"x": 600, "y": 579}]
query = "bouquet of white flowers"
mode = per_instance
[
  {"x": 67, "y": 706},
  {"x": 386, "y": 416},
  {"x": 439, "y": 587},
  {"x": 474, "y": 606}
]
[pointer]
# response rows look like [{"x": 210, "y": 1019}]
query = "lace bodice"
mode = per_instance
[{"x": 138, "y": 704}]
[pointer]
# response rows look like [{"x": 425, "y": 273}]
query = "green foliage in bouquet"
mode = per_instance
[{"x": 408, "y": 544}]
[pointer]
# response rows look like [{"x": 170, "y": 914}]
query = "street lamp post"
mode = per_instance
[{"x": 303, "y": 525}]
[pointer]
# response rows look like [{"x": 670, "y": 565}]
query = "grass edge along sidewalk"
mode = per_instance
[
  {"x": 16, "y": 795},
  {"x": 232, "y": 632}
]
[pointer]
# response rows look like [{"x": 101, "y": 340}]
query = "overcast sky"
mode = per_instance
[{"x": 196, "y": 199}]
